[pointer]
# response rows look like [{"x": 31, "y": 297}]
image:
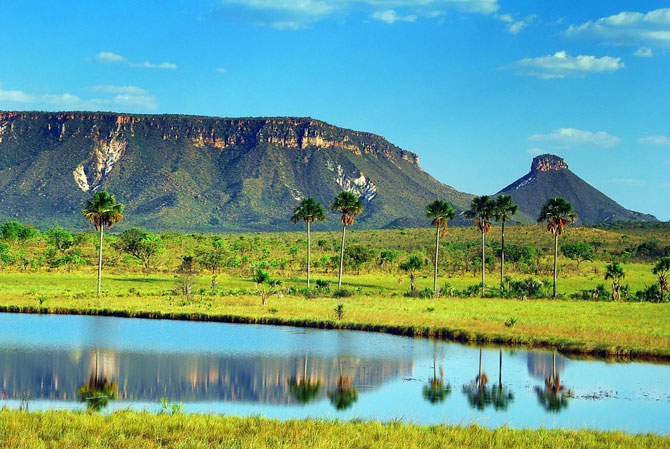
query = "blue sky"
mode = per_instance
[{"x": 475, "y": 87}]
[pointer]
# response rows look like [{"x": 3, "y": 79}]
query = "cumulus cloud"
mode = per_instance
[
  {"x": 297, "y": 14},
  {"x": 628, "y": 28},
  {"x": 106, "y": 57},
  {"x": 390, "y": 16},
  {"x": 562, "y": 65},
  {"x": 644, "y": 52},
  {"x": 571, "y": 137},
  {"x": 126, "y": 97},
  {"x": 513, "y": 25},
  {"x": 654, "y": 140}
]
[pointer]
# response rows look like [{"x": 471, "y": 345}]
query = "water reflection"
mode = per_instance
[
  {"x": 480, "y": 395},
  {"x": 305, "y": 389},
  {"x": 553, "y": 396},
  {"x": 436, "y": 391},
  {"x": 98, "y": 391},
  {"x": 344, "y": 395}
]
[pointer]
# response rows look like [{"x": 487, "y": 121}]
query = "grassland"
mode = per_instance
[
  {"x": 586, "y": 327},
  {"x": 72, "y": 430},
  {"x": 377, "y": 301}
]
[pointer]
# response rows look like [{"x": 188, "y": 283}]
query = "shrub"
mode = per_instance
[{"x": 342, "y": 293}]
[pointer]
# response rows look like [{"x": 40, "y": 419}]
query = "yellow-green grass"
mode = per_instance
[
  {"x": 130, "y": 430},
  {"x": 586, "y": 327}
]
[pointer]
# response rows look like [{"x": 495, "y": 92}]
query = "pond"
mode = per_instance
[{"x": 75, "y": 362}]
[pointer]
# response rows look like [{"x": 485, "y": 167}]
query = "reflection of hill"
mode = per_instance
[
  {"x": 198, "y": 377},
  {"x": 540, "y": 364}
]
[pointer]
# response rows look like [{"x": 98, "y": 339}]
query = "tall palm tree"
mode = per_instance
[
  {"x": 504, "y": 210},
  {"x": 557, "y": 213},
  {"x": 102, "y": 210},
  {"x": 309, "y": 210},
  {"x": 440, "y": 212},
  {"x": 349, "y": 205},
  {"x": 662, "y": 270},
  {"x": 615, "y": 273},
  {"x": 482, "y": 209}
]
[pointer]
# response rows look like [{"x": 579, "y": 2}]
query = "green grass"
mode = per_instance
[
  {"x": 73, "y": 430},
  {"x": 604, "y": 328}
]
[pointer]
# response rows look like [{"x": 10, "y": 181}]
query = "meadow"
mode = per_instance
[{"x": 181, "y": 282}]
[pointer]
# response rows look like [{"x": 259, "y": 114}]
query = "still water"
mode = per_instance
[{"x": 75, "y": 362}]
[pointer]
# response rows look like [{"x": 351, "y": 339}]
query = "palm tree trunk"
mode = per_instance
[
  {"x": 483, "y": 264},
  {"x": 437, "y": 248},
  {"x": 339, "y": 281},
  {"x": 479, "y": 376},
  {"x": 102, "y": 227},
  {"x": 555, "y": 261},
  {"x": 309, "y": 253},
  {"x": 502, "y": 259}
]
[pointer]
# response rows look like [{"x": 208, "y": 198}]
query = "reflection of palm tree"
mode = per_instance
[
  {"x": 343, "y": 397},
  {"x": 305, "y": 390},
  {"x": 553, "y": 396},
  {"x": 98, "y": 391},
  {"x": 502, "y": 396},
  {"x": 435, "y": 391},
  {"x": 481, "y": 396}
]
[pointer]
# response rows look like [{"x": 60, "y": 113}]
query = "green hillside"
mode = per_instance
[{"x": 204, "y": 173}]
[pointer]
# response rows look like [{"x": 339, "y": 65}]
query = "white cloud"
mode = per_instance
[
  {"x": 571, "y": 137},
  {"x": 222, "y": 70},
  {"x": 644, "y": 52},
  {"x": 127, "y": 97},
  {"x": 390, "y": 16},
  {"x": 632, "y": 182},
  {"x": 297, "y": 14},
  {"x": 562, "y": 65},
  {"x": 107, "y": 57},
  {"x": 654, "y": 140},
  {"x": 515, "y": 26},
  {"x": 628, "y": 28},
  {"x": 535, "y": 151}
]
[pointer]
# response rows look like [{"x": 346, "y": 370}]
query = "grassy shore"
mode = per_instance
[
  {"x": 582, "y": 327},
  {"x": 72, "y": 430}
]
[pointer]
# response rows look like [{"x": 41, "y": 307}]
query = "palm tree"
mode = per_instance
[
  {"x": 615, "y": 273},
  {"x": 305, "y": 390},
  {"x": 557, "y": 213},
  {"x": 349, "y": 205},
  {"x": 309, "y": 210},
  {"x": 504, "y": 210},
  {"x": 554, "y": 396},
  {"x": 102, "y": 210},
  {"x": 482, "y": 209},
  {"x": 440, "y": 212},
  {"x": 435, "y": 391},
  {"x": 662, "y": 270}
]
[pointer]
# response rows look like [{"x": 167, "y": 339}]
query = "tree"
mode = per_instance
[
  {"x": 140, "y": 244},
  {"x": 578, "y": 251},
  {"x": 504, "y": 210},
  {"x": 102, "y": 210},
  {"x": 59, "y": 238},
  {"x": 616, "y": 274},
  {"x": 347, "y": 204},
  {"x": 482, "y": 209},
  {"x": 440, "y": 212},
  {"x": 213, "y": 258},
  {"x": 357, "y": 255},
  {"x": 411, "y": 266},
  {"x": 662, "y": 270},
  {"x": 13, "y": 230},
  {"x": 558, "y": 214},
  {"x": 309, "y": 210}
]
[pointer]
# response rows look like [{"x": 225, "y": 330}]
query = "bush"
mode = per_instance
[
  {"x": 423, "y": 294},
  {"x": 342, "y": 293},
  {"x": 651, "y": 293}
]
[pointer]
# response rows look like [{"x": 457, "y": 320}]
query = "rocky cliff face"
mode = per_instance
[
  {"x": 191, "y": 172},
  {"x": 548, "y": 162}
]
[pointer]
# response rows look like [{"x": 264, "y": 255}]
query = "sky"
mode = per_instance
[{"x": 476, "y": 88}]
